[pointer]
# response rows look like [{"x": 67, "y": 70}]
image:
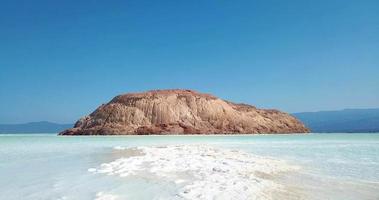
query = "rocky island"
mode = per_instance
[{"x": 181, "y": 112}]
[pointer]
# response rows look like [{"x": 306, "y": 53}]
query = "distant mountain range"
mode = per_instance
[
  {"x": 341, "y": 121},
  {"x": 34, "y": 127}
]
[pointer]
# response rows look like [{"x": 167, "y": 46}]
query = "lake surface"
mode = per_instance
[{"x": 312, "y": 166}]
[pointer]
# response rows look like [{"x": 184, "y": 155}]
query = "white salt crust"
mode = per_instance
[
  {"x": 105, "y": 196},
  {"x": 202, "y": 172}
]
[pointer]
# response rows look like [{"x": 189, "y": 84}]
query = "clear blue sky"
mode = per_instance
[{"x": 59, "y": 60}]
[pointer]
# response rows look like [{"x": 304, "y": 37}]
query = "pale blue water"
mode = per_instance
[{"x": 333, "y": 166}]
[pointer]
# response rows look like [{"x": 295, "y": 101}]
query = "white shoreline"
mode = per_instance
[{"x": 201, "y": 172}]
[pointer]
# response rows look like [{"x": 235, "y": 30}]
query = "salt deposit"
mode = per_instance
[
  {"x": 105, "y": 196},
  {"x": 202, "y": 172}
]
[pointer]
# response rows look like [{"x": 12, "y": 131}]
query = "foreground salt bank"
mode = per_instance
[{"x": 181, "y": 112}]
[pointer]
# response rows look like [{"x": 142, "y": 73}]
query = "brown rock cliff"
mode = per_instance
[{"x": 181, "y": 112}]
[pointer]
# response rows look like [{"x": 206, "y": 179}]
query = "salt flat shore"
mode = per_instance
[{"x": 199, "y": 171}]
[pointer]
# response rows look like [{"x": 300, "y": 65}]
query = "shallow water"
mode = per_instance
[{"x": 329, "y": 166}]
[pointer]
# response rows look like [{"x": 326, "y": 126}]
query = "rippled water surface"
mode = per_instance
[{"x": 328, "y": 166}]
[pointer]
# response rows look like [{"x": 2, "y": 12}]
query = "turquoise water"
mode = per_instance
[{"x": 332, "y": 166}]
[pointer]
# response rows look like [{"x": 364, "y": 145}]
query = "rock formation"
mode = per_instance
[{"x": 181, "y": 112}]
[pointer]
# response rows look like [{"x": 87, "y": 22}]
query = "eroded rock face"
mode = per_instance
[{"x": 181, "y": 112}]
